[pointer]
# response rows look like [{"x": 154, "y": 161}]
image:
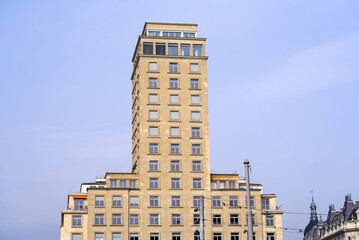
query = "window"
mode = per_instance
[
  {"x": 153, "y": 182},
  {"x": 173, "y": 67},
  {"x": 76, "y": 236},
  {"x": 79, "y": 204},
  {"x": 174, "y": 132},
  {"x": 173, "y": 83},
  {"x": 233, "y": 201},
  {"x": 196, "y": 236},
  {"x": 154, "y": 201},
  {"x": 217, "y": 236},
  {"x": 265, "y": 203},
  {"x": 171, "y": 34},
  {"x": 196, "y": 166},
  {"x": 196, "y": 132},
  {"x": 231, "y": 185},
  {"x": 194, "y": 84},
  {"x": 174, "y": 99},
  {"x": 195, "y": 116},
  {"x": 153, "y": 131},
  {"x": 195, "y": 100},
  {"x": 175, "y": 165},
  {"x": 222, "y": 185},
  {"x": 176, "y": 201},
  {"x": 123, "y": 184},
  {"x": 152, "y": 82},
  {"x": 175, "y": 183},
  {"x": 148, "y": 48},
  {"x": 154, "y": 148},
  {"x": 197, "y": 183},
  {"x": 133, "y": 219},
  {"x": 253, "y": 219},
  {"x": 116, "y": 201},
  {"x": 213, "y": 185},
  {"x": 269, "y": 221},
  {"x": 196, "y": 149},
  {"x": 99, "y": 236},
  {"x": 270, "y": 236},
  {"x": 153, "y": 99},
  {"x": 160, "y": 49},
  {"x": 99, "y": 219},
  {"x": 153, "y": 165},
  {"x": 134, "y": 236},
  {"x": 174, "y": 115},
  {"x": 113, "y": 183},
  {"x": 153, "y": 115},
  {"x": 234, "y": 236},
  {"x": 175, "y": 149},
  {"x": 152, "y": 67},
  {"x": 197, "y": 50},
  {"x": 173, "y": 49},
  {"x": 154, "y": 219},
  {"x": 185, "y": 49},
  {"x": 134, "y": 201},
  {"x": 176, "y": 236},
  {"x": 196, "y": 201},
  {"x": 132, "y": 183},
  {"x": 194, "y": 68},
  {"x": 153, "y": 33},
  {"x": 116, "y": 219},
  {"x": 189, "y": 34},
  {"x": 154, "y": 236},
  {"x": 116, "y": 236},
  {"x": 252, "y": 201},
  {"x": 176, "y": 219},
  {"x": 234, "y": 220},
  {"x": 216, "y": 201},
  {"x": 217, "y": 219},
  {"x": 76, "y": 221},
  {"x": 99, "y": 201}
]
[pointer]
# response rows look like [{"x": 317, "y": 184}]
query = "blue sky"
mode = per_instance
[{"x": 283, "y": 92}]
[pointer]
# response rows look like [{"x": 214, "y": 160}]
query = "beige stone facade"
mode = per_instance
[{"x": 159, "y": 198}]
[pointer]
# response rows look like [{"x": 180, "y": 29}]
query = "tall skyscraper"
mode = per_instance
[{"x": 159, "y": 198}]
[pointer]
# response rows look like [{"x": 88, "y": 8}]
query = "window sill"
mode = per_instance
[
  {"x": 153, "y": 188},
  {"x": 174, "y": 138},
  {"x": 180, "y": 189},
  {"x": 236, "y": 225},
  {"x": 176, "y": 225},
  {"x": 197, "y": 189},
  {"x": 195, "y": 105},
  {"x": 173, "y": 72},
  {"x": 153, "y": 154},
  {"x": 76, "y": 226},
  {"x": 175, "y": 154},
  {"x": 217, "y": 225},
  {"x": 216, "y": 207},
  {"x": 195, "y": 73},
  {"x": 153, "y": 207},
  {"x": 99, "y": 206},
  {"x": 176, "y": 207},
  {"x": 116, "y": 206},
  {"x": 174, "y": 121},
  {"x": 154, "y": 225},
  {"x": 199, "y": 89},
  {"x": 196, "y": 154},
  {"x": 152, "y": 72},
  {"x": 194, "y": 121},
  {"x": 153, "y": 120},
  {"x": 99, "y": 225},
  {"x": 196, "y": 138},
  {"x": 153, "y": 137},
  {"x": 196, "y": 172},
  {"x": 175, "y": 171},
  {"x": 154, "y": 171},
  {"x": 174, "y": 88},
  {"x": 153, "y": 88},
  {"x": 117, "y": 225},
  {"x": 134, "y": 207},
  {"x": 172, "y": 104},
  {"x": 154, "y": 104}
]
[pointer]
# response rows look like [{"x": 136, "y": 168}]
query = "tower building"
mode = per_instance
[{"x": 160, "y": 196}]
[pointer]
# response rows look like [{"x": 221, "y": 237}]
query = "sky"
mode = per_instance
[{"x": 283, "y": 81}]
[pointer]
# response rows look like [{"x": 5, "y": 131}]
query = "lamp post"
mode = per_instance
[{"x": 248, "y": 193}]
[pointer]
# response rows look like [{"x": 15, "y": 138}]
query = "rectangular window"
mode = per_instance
[
  {"x": 189, "y": 34},
  {"x": 222, "y": 185},
  {"x": 173, "y": 99},
  {"x": 174, "y": 131},
  {"x": 173, "y": 49},
  {"x": 153, "y": 33},
  {"x": 173, "y": 83},
  {"x": 185, "y": 49},
  {"x": 175, "y": 166},
  {"x": 171, "y": 34},
  {"x": 252, "y": 202},
  {"x": 234, "y": 220},
  {"x": 134, "y": 236},
  {"x": 116, "y": 201},
  {"x": 265, "y": 203},
  {"x": 153, "y": 99},
  {"x": 76, "y": 236},
  {"x": 176, "y": 236},
  {"x": 176, "y": 201},
  {"x": 175, "y": 149},
  {"x": 154, "y": 201},
  {"x": 153, "y": 131},
  {"x": 99, "y": 219},
  {"x": 196, "y": 166},
  {"x": 153, "y": 115},
  {"x": 269, "y": 221},
  {"x": 154, "y": 219},
  {"x": 153, "y": 165},
  {"x": 216, "y": 201},
  {"x": 270, "y": 236},
  {"x": 234, "y": 236},
  {"x": 148, "y": 48},
  {"x": 195, "y": 116},
  {"x": 196, "y": 149},
  {"x": 153, "y": 148},
  {"x": 197, "y": 50},
  {"x": 134, "y": 201},
  {"x": 195, "y": 100},
  {"x": 160, "y": 49},
  {"x": 194, "y": 67},
  {"x": 133, "y": 219},
  {"x": 196, "y": 132},
  {"x": 233, "y": 201},
  {"x": 196, "y": 219},
  {"x": 152, "y": 67},
  {"x": 116, "y": 236},
  {"x": 197, "y": 183},
  {"x": 79, "y": 204},
  {"x": 196, "y": 201},
  {"x": 175, "y": 183},
  {"x": 76, "y": 221},
  {"x": 231, "y": 185},
  {"x": 152, "y": 82},
  {"x": 217, "y": 219},
  {"x": 173, "y": 67},
  {"x": 116, "y": 219},
  {"x": 194, "y": 83},
  {"x": 132, "y": 183},
  {"x": 153, "y": 182},
  {"x": 174, "y": 115},
  {"x": 113, "y": 183},
  {"x": 176, "y": 219},
  {"x": 154, "y": 236},
  {"x": 99, "y": 236},
  {"x": 123, "y": 183},
  {"x": 253, "y": 219},
  {"x": 213, "y": 185},
  {"x": 99, "y": 201}
]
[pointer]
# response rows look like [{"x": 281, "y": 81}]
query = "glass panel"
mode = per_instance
[
  {"x": 197, "y": 50},
  {"x": 185, "y": 49},
  {"x": 152, "y": 67},
  {"x": 160, "y": 49},
  {"x": 148, "y": 48},
  {"x": 153, "y": 115},
  {"x": 173, "y": 49},
  {"x": 194, "y": 67}
]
